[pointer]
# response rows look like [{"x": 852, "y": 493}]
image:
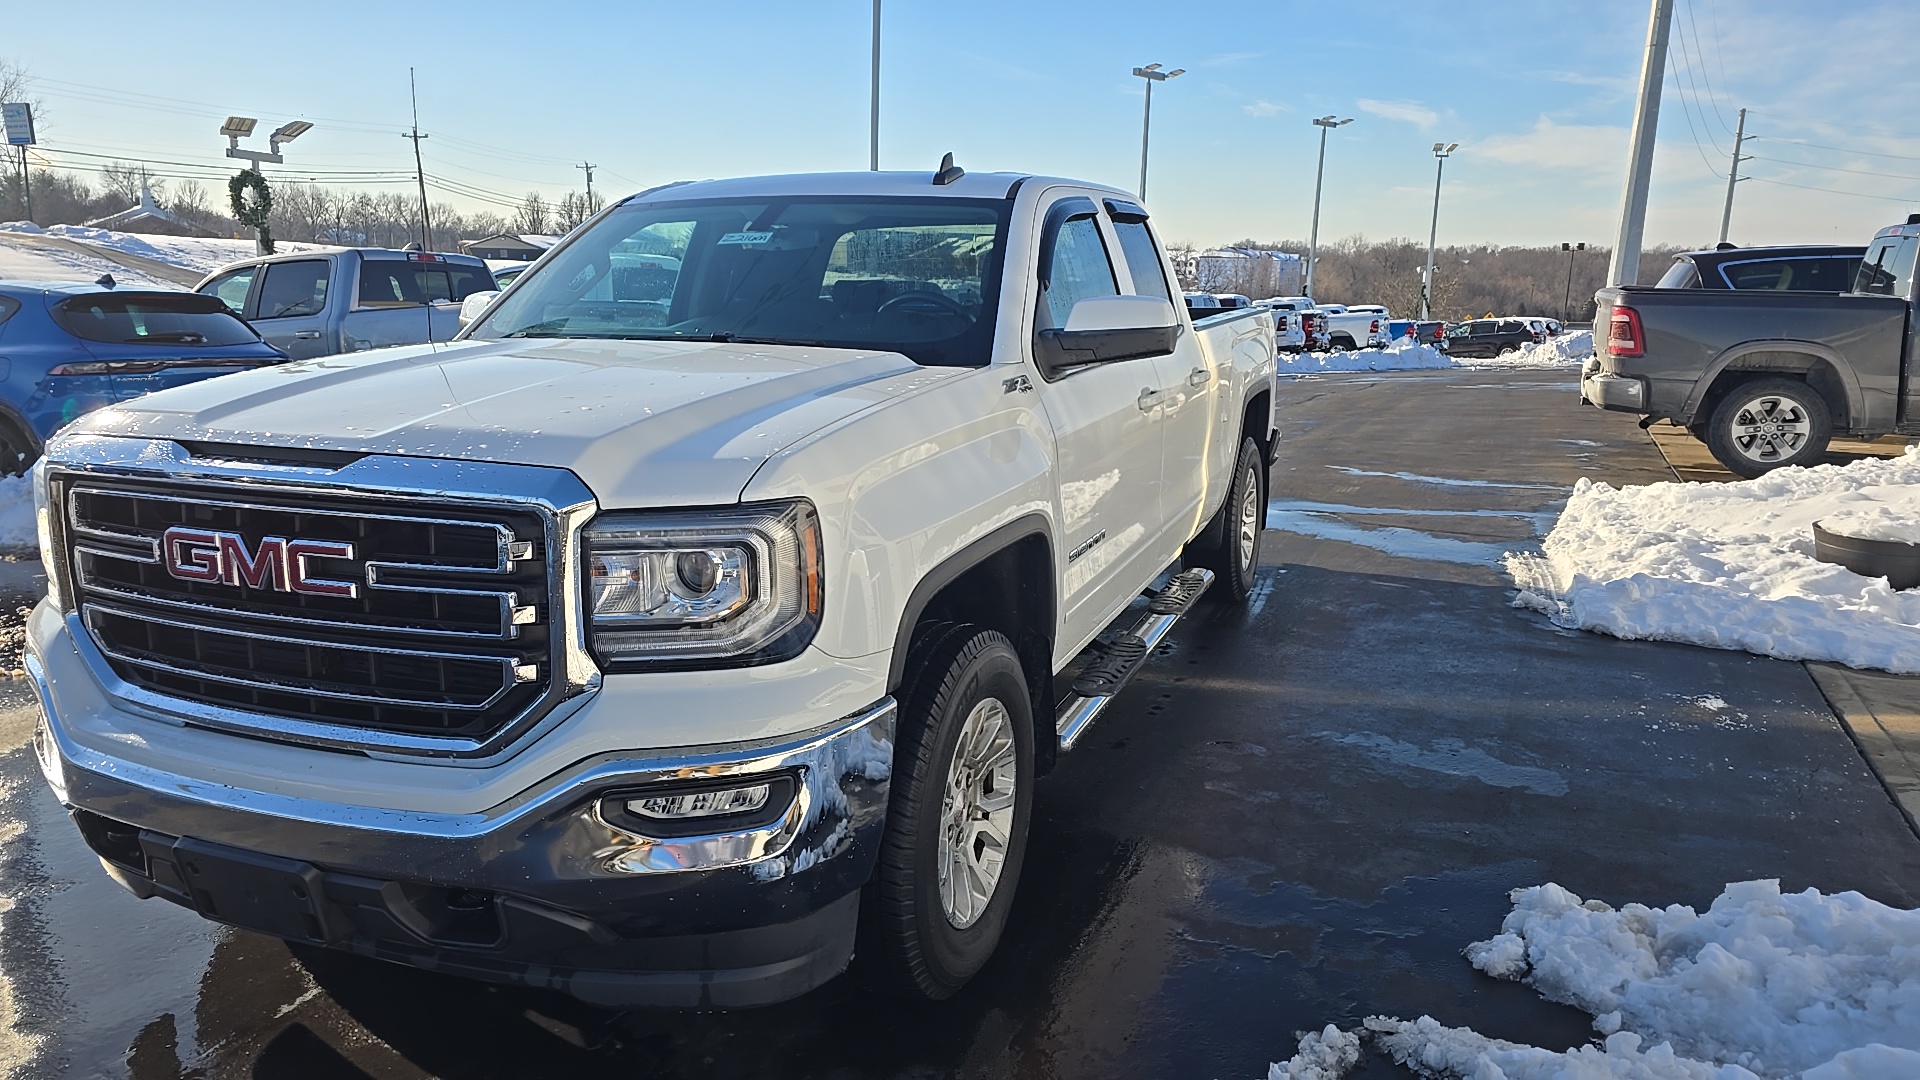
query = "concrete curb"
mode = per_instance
[{"x": 1881, "y": 712}]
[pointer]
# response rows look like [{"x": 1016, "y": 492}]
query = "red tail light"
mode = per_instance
[
  {"x": 1624, "y": 336},
  {"x": 1373, "y": 327},
  {"x": 1281, "y": 323}
]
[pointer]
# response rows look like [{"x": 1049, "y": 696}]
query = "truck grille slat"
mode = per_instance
[{"x": 432, "y": 639}]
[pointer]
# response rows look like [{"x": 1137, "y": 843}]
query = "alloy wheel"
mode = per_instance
[{"x": 976, "y": 813}]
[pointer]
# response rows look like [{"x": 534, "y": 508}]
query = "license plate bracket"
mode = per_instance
[{"x": 282, "y": 897}]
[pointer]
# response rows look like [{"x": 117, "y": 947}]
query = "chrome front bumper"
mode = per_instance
[{"x": 1622, "y": 393}]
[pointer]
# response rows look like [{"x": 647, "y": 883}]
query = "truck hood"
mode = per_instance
[{"x": 642, "y": 423}]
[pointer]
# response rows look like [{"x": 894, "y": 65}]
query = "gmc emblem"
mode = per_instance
[{"x": 279, "y": 564}]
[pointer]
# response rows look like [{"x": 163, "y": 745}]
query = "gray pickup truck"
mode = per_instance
[
  {"x": 1765, "y": 378},
  {"x": 319, "y": 303}
]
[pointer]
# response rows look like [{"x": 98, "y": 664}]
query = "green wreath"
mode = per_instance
[{"x": 253, "y": 215}]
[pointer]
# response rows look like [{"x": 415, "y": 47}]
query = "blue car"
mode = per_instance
[{"x": 68, "y": 348}]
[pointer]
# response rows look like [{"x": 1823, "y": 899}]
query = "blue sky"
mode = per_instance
[{"x": 1539, "y": 93}]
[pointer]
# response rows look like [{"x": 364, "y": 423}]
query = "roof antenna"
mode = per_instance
[
  {"x": 105, "y": 281},
  {"x": 949, "y": 172}
]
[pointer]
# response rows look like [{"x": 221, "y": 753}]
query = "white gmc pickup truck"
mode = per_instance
[{"x": 663, "y": 637}]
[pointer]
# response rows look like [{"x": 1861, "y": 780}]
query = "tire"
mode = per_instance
[
  {"x": 925, "y": 934},
  {"x": 1341, "y": 341},
  {"x": 1229, "y": 545},
  {"x": 1769, "y": 424},
  {"x": 16, "y": 455}
]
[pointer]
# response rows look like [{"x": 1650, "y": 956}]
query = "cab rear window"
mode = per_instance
[
  {"x": 152, "y": 319},
  {"x": 398, "y": 283}
]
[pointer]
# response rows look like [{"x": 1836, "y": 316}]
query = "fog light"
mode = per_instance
[{"x": 699, "y": 804}]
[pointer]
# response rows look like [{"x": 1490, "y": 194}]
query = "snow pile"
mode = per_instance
[
  {"x": 1761, "y": 986},
  {"x": 1403, "y": 355},
  {"x": 18, "y": 532},
  {"x": 200, "y": 254},
  {"x": 1731, "y": 566},
  {"x": 1324, "y": 1055},
  {"x": 20, "y": 226},
  {"x": 1883, "y": 523},
  {"x": 1565, "y": 350}
]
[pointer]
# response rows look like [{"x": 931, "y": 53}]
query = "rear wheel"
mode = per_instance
[
  {"x": 1768, "y": 424},
  {"x": 1342, "y": 341},
  {"x": 17, "y": 454},
  {"x": 957, "y": 818},
  {"x": 1229, "y": 545}
]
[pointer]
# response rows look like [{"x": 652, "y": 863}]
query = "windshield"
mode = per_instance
[
  {"x": 914, "y": 276},
  {"x": 152, "y": 319}
]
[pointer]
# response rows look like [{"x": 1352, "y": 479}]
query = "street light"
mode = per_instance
[
  {"x": 288, "y": 132},
  {"x": 1152, "y": 74},
  {"x": 1566, "y": 302},
  {"x": 873, "y": 113},
  {"x": 240, "y": 127},
  {"x": 1325, "y": 124},
  {"x": 1440, "y": 153}
]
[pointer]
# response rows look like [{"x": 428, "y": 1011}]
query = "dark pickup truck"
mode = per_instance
[{"x": 1765, "y": 378}]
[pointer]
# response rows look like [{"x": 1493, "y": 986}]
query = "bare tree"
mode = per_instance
[
  {"x": 124, "y": 181},
  {"x": 532, "y": 217}
]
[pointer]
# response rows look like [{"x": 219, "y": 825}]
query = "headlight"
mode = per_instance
[
  {"x": 711, "y": 588},
  {"x": 50, "y": 557}
]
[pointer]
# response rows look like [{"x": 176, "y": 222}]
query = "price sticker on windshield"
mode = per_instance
[{"x": 748, "y": 239}]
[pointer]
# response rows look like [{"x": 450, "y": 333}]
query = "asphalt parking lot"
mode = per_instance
[{"x": 1297, "y": 815}]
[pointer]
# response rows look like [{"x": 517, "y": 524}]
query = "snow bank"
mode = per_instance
[
  {"x": 1761, "y": 986},
  {"x": 1324, "y": 1055},
  {"x": 1402, "y": 355},
  {"x": 17, "y": 529},
  {"x": 1567, "y": 350},
  {"x": 20, "y": 226},
  {"x": 201, "y": 254},
  {"x": 1731, "y": 565}
]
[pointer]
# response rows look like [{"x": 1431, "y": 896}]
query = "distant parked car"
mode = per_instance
[
  {"x": 1290, "y": 318},
  {"x": 1356, "y": 326},
  {"x": 321, "y": 303},
  {"x": 71, "y": 348},
  {"x": 1488, "y": 338},
  {"x": 1826, "y": 268},
  {"x": 1427, "y": 332},
  {"x": 1200, "y": 305},
  {"x": 505, "y": 275}
]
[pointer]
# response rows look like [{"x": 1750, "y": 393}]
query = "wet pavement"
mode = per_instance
[{"x": 1299, "y": 814}]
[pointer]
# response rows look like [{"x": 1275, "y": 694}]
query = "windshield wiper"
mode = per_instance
[{"x": 550, "y": 328}]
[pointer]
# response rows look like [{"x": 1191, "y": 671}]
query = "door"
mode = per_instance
[
  {"x": 290, "y": 310},
  {"x": 1188, "y": 377},
  {"x": 1106, "y": 421}
]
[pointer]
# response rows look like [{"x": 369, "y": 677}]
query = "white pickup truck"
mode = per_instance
[
  {"x": 1358, "y": 326},
  {"x": 655, "y": 644}
]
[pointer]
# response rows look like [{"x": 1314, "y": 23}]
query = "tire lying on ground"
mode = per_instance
[
  {"x": 962, "y": 797},
  {"x": 1768, "y": 424}
]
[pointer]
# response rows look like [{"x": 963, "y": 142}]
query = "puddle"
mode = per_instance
[
  {"x": 1448, "y": 481},
  {"x": 1452, "y": 757},
  {"x": 1541, "y": 520},
  {"x": 1391, "y": 540}
]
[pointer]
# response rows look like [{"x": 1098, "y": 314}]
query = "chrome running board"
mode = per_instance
[{"x": 1100, "y": 683}]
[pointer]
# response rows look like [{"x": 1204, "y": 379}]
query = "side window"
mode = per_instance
[
  {"x": 293, "y": 288},
  {"x": 1143, "y": 259},
  {"x": 232, "y": 288},
  {"x": 1681, "y": 275},
  {"x": 1511, "y": 326},
  {"x": 388, "y": 283},
  {"x": 1766, "y": 274},
  {"x": 1080, "y": 269},
  {"x": 1483, "y": 328},
  {"x": 8, "y": 305},
  {"x": 1888, "y": 267}
]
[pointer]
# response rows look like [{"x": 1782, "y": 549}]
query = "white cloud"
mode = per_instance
[
  {"x": 1264, "y": 108},
  {"x": 1559, "y": 146},
  {"x": 1229, "y": 59},
  {"x": 1411, "y": 112}
]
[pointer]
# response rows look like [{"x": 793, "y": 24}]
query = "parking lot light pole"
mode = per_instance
[
  {"x": 873, "y": 113},
  {"x": 1152, "y": 74},
  {"x": 1566, "y": 304},
  {"x": 1440, "y": 153},
  {"x": 1325, "y": 124}
]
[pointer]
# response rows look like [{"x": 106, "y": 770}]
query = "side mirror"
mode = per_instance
[
  {"x": 475, "y": 305},
  {"x": 1101, "y": 329}
]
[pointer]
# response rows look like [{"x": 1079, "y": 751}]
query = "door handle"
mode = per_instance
[
  {"x": 306, "y": 335},
  {"x": 1149, "y": 398},
  {"x": 1199, "y": 377}
]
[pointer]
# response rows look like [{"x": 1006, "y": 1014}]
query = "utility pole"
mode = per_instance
[
  {"x": 1440, "y": 153},
  {"x": 873, "y": 121},
  {"x": 1325, "y": 124},
  {"x": 1646, "y": 122},
  {"x": 1733, "y": 175},
  {"x": 589, "y": 167},
  {"x": 419, "y": 170}
]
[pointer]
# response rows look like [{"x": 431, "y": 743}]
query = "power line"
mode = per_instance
[
  {"x": 1833, "y": 191},
  {"x": 1835, "y": 168},
  {"x": 1699, "y": 53},
  {"x": 1682, "y": 91}
]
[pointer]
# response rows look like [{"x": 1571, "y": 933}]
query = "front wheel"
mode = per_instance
[
  {"x": 1768, "y": 424},
  {"x": 1229, "y": 545},
  {"x": 957, "y": 819}
]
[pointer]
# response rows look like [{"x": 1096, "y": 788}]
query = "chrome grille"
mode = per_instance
[{"x": 446, "y": 632}]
